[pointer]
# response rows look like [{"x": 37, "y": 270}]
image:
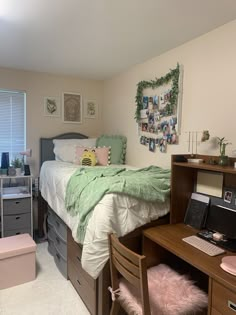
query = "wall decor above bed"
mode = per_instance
[
  {"x": 52, "y": 106},
  {"x": 158, "y": 114},
  {"x": 90, "y": 109},
  {"x": 72, "y": 108}
]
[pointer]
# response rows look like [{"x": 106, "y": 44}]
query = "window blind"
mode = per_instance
[{"x": 12, "y": 123}]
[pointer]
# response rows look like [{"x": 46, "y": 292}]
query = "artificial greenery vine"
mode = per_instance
[{"x": 173, "y": 75}]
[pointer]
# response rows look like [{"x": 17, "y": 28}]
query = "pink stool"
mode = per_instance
[{"x": 17, "y": 260}]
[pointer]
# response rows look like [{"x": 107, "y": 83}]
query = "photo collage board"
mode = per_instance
[{"x": 158, "y": 125}]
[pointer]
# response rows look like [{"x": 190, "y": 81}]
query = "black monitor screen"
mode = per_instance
[{"x": 223, "y": 220}]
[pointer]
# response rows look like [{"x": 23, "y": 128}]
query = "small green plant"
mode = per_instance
[
  {"x": 222, "y": 143},
  {"x": 17, "y": 163}
]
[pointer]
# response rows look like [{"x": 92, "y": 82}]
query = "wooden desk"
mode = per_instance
[{"x": 164, "y": 244}]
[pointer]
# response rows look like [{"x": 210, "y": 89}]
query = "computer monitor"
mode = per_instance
[{"x": 223, "y": 220}]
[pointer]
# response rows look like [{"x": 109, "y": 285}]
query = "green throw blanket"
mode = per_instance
[{"x": 87, "y": 186}]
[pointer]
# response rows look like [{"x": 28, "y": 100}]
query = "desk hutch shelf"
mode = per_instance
[{"x": 184, "y": 178}]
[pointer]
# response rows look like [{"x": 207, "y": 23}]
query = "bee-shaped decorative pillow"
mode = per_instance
[{"x": 88, "y": 158}]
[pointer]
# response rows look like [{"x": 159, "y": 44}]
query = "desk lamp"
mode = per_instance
[{"x": 27, "y": 153}]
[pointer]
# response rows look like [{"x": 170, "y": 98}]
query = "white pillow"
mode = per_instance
[{"x": 64, "y": 149}]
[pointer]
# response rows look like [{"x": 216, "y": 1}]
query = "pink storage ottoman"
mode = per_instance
[{"x": 17, "y": 260}]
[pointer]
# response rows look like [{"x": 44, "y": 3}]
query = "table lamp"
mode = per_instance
[{"x": 27, "y": 153}]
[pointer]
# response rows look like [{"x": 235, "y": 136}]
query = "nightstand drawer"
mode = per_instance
[
  {"x": 223, "y": 299},
  {"x": 17, "y": 232},
  {"x": 15, "y": 206},
  {"x": 13, "y": 222}
]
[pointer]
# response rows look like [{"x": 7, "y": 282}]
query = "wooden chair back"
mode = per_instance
[{"x": 132, "y": 267}]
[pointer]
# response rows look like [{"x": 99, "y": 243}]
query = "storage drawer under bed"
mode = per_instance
[
  {"x": 84, "y": 284},
  {"x": 59, "y": 226},
  {"x": 57, "y": 241}
]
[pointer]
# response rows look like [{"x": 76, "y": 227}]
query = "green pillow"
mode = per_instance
[{"x": 118, "y": 147}]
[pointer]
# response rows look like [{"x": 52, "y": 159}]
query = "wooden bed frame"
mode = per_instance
[{"x": 133, "y": 240}]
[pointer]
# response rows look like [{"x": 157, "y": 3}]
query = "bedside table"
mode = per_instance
[{"x": 16, "y": 205}]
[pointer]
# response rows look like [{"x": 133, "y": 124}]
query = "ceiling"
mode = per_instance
[{"x": 97, "y": 39}]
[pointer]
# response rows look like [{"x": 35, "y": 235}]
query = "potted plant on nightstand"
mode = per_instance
[
  {"x": 17, "y": 164},
  {"x": 223, "y": 159}
]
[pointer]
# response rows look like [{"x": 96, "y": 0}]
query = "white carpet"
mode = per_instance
[{"x": 49, "y": 294}]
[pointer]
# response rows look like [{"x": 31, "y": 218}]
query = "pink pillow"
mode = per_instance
[{"x": 102, "y": 154}]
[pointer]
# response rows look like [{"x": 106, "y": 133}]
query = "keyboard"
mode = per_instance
[{"x": 204, "y": 246}]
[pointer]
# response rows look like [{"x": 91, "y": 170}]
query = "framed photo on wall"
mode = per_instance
[
  {"x": 72, "y": 108},
  {"x": 90, "y": 109},
  {"x": 52, "y": 106}
]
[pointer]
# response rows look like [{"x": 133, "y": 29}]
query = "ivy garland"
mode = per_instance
[{"x": 173, "y": 75}]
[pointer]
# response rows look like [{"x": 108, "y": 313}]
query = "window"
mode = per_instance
[{"x": 12, "y": 122}]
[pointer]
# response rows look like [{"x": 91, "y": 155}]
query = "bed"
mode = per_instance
[{"x": 130, "y": 214}]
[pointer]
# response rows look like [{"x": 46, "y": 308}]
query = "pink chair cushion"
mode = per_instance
[{"x": 169, "y": 293}]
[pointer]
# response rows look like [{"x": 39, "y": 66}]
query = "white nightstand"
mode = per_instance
[{"x": 16, "y": 205}]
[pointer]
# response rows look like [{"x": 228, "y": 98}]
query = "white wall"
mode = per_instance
[
  {"x": 39, "y": 85},
  {"x": 209, "y": 100}
]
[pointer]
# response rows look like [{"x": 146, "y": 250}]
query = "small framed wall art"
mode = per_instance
[
  {"x": 90, "y": 109},
  {"x": 52, "y": 106},
  {"x": 72, "y": 108}
]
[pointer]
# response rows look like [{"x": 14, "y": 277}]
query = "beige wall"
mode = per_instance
[
  {"x": 39, "y": 85},
  {"x": 209, "y": 99}
]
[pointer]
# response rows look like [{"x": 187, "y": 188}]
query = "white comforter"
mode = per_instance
[{"x": 114, "y": 213}]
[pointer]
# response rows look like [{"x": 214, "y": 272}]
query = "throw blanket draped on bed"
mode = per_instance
[{"x": 87, "y": 186}]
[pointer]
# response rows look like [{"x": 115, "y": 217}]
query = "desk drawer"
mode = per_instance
[
  {"x": 223, "y": 299},
  {"x": 16, "y": 206},
  {"x": 87, "y": 294},
  {"x": 13, "y": 222},
  {"x": 215, "y": 312}
]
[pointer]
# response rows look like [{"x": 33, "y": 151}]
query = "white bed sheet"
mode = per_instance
[{"x": 114, "y": 213}]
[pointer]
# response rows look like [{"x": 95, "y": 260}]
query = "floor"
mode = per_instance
[{"x": 49, "y": 294}]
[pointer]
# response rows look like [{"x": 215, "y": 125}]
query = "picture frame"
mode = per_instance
[
  {"x": 90, "y": 109},
  {"x": 152, "y": 145},
  {"x": 72, "y": 108},
  {"x": 228, "y": 195},
  {"x": 52, "y": 106}
]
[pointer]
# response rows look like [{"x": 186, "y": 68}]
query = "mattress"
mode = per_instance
[{"x": 116, "y": 213}]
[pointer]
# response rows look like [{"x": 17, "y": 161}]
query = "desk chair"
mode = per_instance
[{"x": 157, "y": 291}]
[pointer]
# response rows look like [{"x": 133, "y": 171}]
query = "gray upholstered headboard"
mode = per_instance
[{"x": 46, "y": 145}]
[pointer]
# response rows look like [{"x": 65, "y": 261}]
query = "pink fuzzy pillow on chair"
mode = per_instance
[
  {"x": 102, "y": 155},
  {"x": 169, "y": 293}
]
